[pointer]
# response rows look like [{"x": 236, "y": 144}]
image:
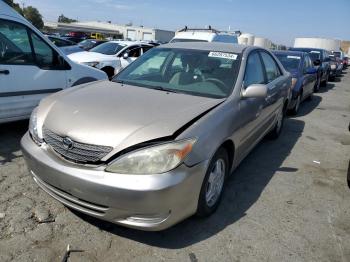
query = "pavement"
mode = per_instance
[{"x": 287, "y": 201}]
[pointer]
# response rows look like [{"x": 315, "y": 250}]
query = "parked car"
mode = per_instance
[
  {"x": 31, "y": 67},
  {"x": 321, "y": 60},
  {"x": 304, "y": 74},
  {"x": 111, "y": 56},
  {"x": 203, "y": 35},
  {"x": 334, "y": 67},
  {"x": 68, "y": 47},
  {"x": 346, "y": 62},
  {"x": 77, "y": 34},
  {"x": 73, "y": 39},
  {"x": 156, "y": 144},
  {"x": 88, "y": 44}
]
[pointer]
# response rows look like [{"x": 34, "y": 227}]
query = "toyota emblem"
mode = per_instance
[{"x": 68, "y": 143}]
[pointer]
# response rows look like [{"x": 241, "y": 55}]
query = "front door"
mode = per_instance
[{"x": 27, "y": 70}]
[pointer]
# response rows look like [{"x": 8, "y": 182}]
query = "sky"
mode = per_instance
[{"x": 279, "y": 20}]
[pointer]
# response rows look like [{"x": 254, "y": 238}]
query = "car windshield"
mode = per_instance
[
  {"x": 289, "y": 62},
  {"x": 176, "y": 40},
  {"x": 87, "y": 43},
  {"x": 108, "y": 48},
  {"x": 193, "y": 72}
]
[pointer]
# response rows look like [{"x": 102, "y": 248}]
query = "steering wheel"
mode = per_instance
[{"x": 221, "y": 85}]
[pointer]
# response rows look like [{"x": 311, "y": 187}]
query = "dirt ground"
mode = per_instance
[{"x": 288, "y": 201}]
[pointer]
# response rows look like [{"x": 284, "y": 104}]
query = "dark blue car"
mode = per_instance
[
  {"x": 320, "y": 58},
  {"x": 304, "y": 76}
]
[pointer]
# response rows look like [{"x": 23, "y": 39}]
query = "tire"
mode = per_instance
[
  {"x": 213, "y": 184},
  {"x": 332, "y": 78},
  {"x": 109, "y": 71},
  {"x": 325, "y": 82},
  {"x": 317, "y": 85},
  {"x": 295, "y": 109},
  {"x": 276, "y": 131}
]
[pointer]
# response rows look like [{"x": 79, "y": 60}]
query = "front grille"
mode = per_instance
[{"x": 79, "y": 152}]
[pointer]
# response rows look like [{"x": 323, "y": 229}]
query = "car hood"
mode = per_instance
[
  {"x": 111, "y": 114},
  {"x": 85, "y": 56}
]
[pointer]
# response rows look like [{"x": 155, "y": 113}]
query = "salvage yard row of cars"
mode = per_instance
[{"x": 157, "y": 143}]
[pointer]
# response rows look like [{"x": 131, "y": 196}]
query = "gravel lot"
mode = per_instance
[{"x": 288, "y": 201}]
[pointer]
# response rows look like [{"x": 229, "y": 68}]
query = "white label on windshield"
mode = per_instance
[
  {"x": 316, "y": 52},
  {"x": 223, "y": 55},
  {"x": 293, "y": 57}
]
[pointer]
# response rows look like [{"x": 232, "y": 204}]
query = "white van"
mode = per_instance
[
  {"x": 204, "y": 35},
  {"x": 31, "y": 67}
]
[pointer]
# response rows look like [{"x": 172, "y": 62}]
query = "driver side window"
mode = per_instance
[
  {"x": 14, "y": 44},
  {"x": 254, "y": 73},
  {"x": 20, "y": 46}
]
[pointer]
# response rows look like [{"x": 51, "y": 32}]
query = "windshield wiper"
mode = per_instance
[{"x": 163, "y": 89}]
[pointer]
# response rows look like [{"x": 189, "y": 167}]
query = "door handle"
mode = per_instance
[{"x": 4, "y": 72}]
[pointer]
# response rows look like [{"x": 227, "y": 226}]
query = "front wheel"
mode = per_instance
[
  {"x": 317, "y": 85},
  {"x": 213, "y": 184},
  {"x": 295, "y": 109}
]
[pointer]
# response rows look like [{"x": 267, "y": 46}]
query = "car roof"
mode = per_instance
[
  {"x": 306, "y": 48},
  {"x": 207, "y": 46},
  {"x": 127, "y": 43},
  {"x": 286, "y": 52}
]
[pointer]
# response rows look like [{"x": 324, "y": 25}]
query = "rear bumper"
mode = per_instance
[{"x": 147, "y": 202}]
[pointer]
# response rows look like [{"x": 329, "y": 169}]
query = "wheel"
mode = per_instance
[
  {"x": 325, "y": 82},
  {"x": 213, "y": 184},
  {"x": 295, "y": 109},
  {"x": 318, "y": 84},
  {"x": 276, "y": 131}
]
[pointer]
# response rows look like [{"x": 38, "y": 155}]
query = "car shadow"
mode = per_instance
[
  {"x": 243, "y": 189},
  {"x": 325, "y": 89},
  {"x": 309, "y": 105},
  {"x": 10, "y": 137}
]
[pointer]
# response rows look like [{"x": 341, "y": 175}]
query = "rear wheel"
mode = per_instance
[
  {"x": 318, "y": 84},
  {"x": 276, "y": 131},
  {"x": 213, "y": 184},
  {"x": 325, "y": 82},
  {"x": 295, "y": 109}
]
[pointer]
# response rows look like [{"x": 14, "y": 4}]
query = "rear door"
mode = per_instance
[
  {"x": 309, "y": 79},
  {"x": 27, "y": 70}
]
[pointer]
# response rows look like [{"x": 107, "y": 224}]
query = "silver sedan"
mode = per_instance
[{"x": 156, "y": 145}]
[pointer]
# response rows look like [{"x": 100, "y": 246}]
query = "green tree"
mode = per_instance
[
  {"x": 14, "y": 6},
  {"x": 64, "y": 19},
  {"x": 32, "y": 14}
]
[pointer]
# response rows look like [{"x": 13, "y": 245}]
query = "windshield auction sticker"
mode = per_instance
[
  {"x": 293, "y": 57},
  {"x": 223, "y": 55},
  {"x": 315, "y": 52}
]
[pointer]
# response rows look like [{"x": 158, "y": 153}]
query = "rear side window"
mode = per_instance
[
  {"x": 271, "y": 67},
  {"x": 254, "y": 73},
  {"x": 14, "y": 44}
]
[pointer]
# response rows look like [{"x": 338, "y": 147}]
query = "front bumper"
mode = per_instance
[{"x": 147, "y": 202}]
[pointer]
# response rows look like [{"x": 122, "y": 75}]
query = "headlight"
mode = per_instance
[
  {"x": 93, "y": 64},
  {"x": 33, "y": 127},
  {"x": 294, "y": 81},
  {"x": 153, "y": 160}
]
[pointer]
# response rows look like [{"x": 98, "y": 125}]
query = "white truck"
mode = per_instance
[{"x": 32, "y": 67}]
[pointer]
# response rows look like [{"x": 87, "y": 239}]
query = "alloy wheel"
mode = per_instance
[{"x": 215, "y": 182}]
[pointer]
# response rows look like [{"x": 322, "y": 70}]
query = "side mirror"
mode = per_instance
[
  {"x": 255, "y": 91},
  {"x": 317, "y": 62},
  {"x": 311, "y": 71},
  {"x": 126, "y": 55}
]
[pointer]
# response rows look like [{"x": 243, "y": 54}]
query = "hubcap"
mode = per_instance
[{"x": 215, "y": 182}]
